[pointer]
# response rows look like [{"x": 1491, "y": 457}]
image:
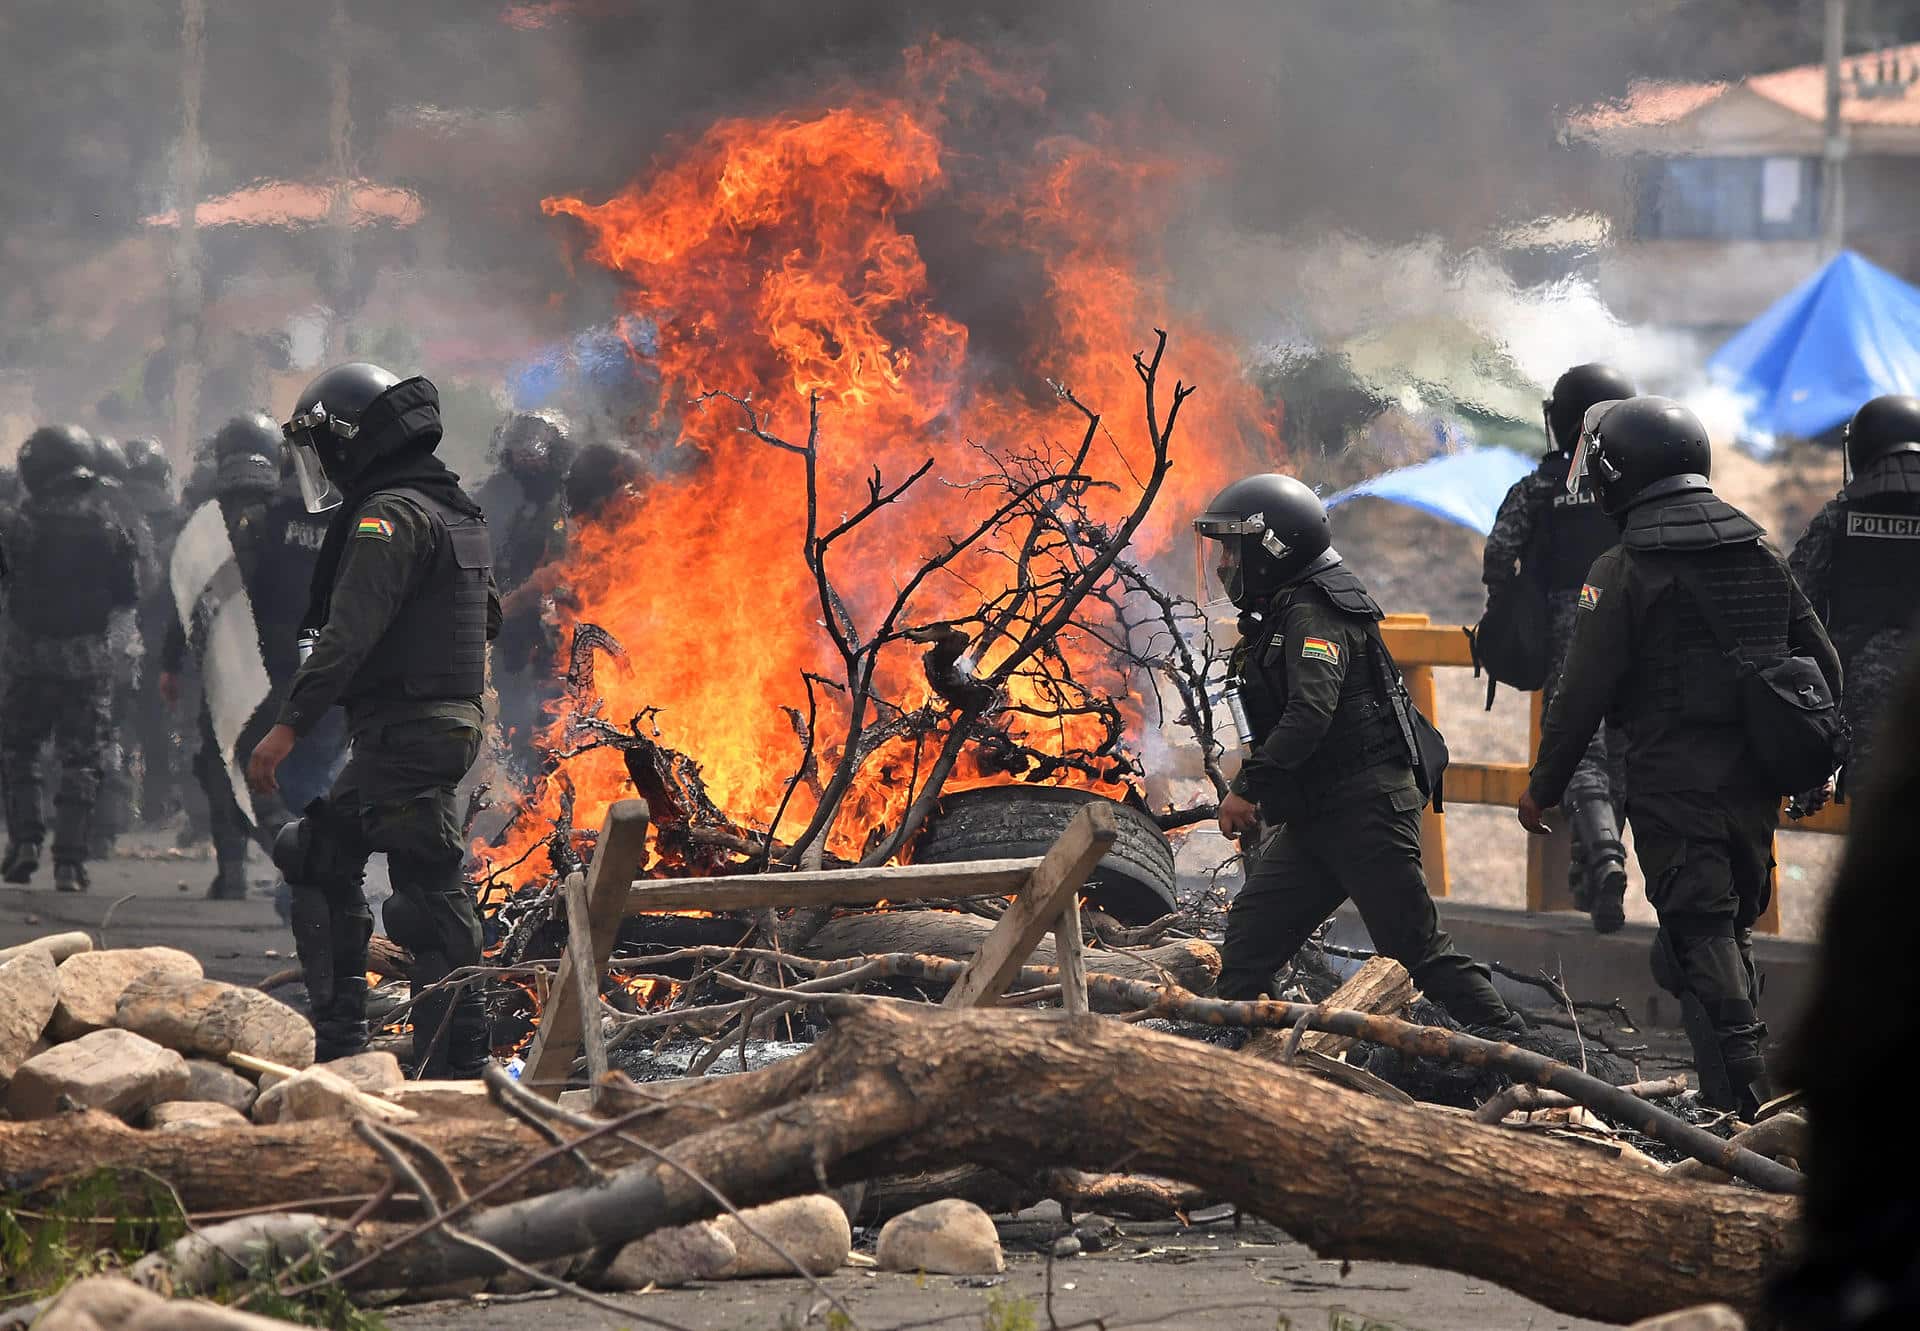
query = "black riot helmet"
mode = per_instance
[
  {"x": 57, "y": 453},
  {"x": 110, "y": 459},
  {"x": 325, "y": 421},
  {"x": 1269, "y": 529},
  {"x": 1889, "y": 424},
  {"x": 246, "y": 455},
  {"x": 536, "y": 448},
  {"x": 1573, "y": 394},
  {"x": 1640, "y": 449},
  {"x": 147, "y": 463}
]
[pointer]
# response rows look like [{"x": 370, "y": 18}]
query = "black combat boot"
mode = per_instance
[
  {"x": 1597, "y": 834},
  {"x": 23, "y": 858},
  {"x": 70, "y": 876},
  {"x": 340, "y": 1030}
]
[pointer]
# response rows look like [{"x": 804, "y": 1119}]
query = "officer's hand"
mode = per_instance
[
  {"x": 1812, "y": 801},
  {"x": 1238, "y": 816},
  {"x": 268, "y": 754},
  {"x": 169, "y": 688},
  {"x": 1531, "y": 817}
]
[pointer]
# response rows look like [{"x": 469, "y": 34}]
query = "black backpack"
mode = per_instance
[
  {"x": 1510, "y": 642},
  {"x": 1792, "y": 722}
]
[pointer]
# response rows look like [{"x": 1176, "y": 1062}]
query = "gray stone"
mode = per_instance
[
  {"x": 321, "y": 1093},
  {"x": 194, "y": 1115},
  {"x": 115, "y": 1071},
  {"x": 669, "y": 1257},
  {"x": 813, "y": 1230},
  {"x": 949, "y": 1238},
  {"x": 91, "y": 984},
  {"x": 29, "y": 988},
  {"x": 109, "y": 1303},
  {"x": 1706, "y": 1317},
  {"x": 219, "y": 1084},
  {"x": 213, "y": 1019}
]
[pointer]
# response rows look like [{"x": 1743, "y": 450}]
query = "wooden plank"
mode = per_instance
[
  {"x": 1486, "y": 783},
  {"x": 623, "y": 842},
  {"x": 1038, "y": 907},
  {"x": 1433, "y": 826},
  {"x": 586, "y": 979},
  {"x": 1426, "y": 644},
  {"x": 1070, "y": 949},
  {"x": 1382, "y": 986},
  {"x": 833, "y": 887}
]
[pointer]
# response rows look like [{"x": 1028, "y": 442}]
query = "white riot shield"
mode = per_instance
[{"x": 212, "y": 602}]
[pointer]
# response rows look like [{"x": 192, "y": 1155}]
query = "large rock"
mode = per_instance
[
  {"x": 29, "y": 988},
  {"x": 948, "y": 1238},
  {"x": 814, "y": 1230},
  {"x": 219, "y": 1084},
  {"x": 91, "y": 984},
  {"x": 58, "y": 947},
  {"x": 213, "y": 1019},
  {"x": 373, "y": 1072},
  {"x": 194, "y": 1115},
  {"x": 669, "y": 1257},
  {"x": 116, "y": 1071},
  {"x": 1706, "y": 1317},
  {"x": 321, "y": 1093},
  {"x": 109, "y": 1303},
  {"x": 444, "y": 1099}
]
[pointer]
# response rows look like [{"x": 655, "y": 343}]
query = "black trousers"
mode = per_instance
[
  {"x": 1708, "y": 861},
  {"x": 1366, "y": 848},
  {"x": 73, "y": 711},
  {"x": 396, "y": 796}
]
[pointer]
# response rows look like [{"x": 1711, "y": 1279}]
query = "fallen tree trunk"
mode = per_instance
[
  {"x": 896, "y": 1087},
  {"x": 1189, "y": 963}
]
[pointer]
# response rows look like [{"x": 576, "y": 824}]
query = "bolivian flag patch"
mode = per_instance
[
  {"x": 1589, "y": 596},
  {"x": 1320, "y": 649},
  {"x": 378, "y": 528}
]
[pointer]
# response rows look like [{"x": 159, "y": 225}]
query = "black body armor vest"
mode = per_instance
[
  {"x": 1363, "y": 731},
  {"x": 1874, "y": 583},
  {"x": 437, "y": 644},
  {"x": 1571, "y": 532},
  {"x": 68, "y": 557},
  {"x": 1683, "y": 667}
]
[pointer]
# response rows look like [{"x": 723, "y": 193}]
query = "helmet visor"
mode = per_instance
[
  {"x": 1580, "y": 470},
  {"x": 317, "y": 491},
  {"x": 1217, "y": 572}
]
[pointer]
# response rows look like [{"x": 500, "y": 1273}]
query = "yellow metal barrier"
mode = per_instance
[{"x": 1419, "y": 646}]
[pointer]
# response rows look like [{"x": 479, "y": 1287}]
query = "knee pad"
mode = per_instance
[
  {"x": 309, "y": 849},
  {"x": 408, "y": 924},
  {"x": 1669, "y": 971}
]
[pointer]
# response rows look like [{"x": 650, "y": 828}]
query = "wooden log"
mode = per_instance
[
  {"x": 1189, "y": 963},
  {"x": 1067, "y": 944},
  {"x": 1038, "y": 907},
  {"x": 573, "y": 999},
  {"x": 897, "y": 1087},
  {"x": 833, "y": 887},
  {"x": 1784, "y": 1136},
  {"x": 1381, "y": 986}
]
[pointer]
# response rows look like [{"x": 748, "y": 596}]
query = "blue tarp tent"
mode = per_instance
[
  {"x": 1848, "y": 333},
  {"x": 1464, "y": 487}
]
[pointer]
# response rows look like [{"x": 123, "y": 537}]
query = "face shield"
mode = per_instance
[
  {"x": 1218, "y": 549},
  {"x": 1846, "y": 454},
  {"x": 1587, "y": 457},
  {"x": 317, "y": 490},
  {"x": 1546, "y": 419}
]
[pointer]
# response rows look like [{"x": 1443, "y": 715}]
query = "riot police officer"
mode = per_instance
[
  {"x": 149, "y": 487},
  {"x": 1859, "y": 561},
  {"x": 1647, "y": 653},
  {"x": 402, "y": 610},
  {"x": 1330, "y": 777},
  {"x": 73, "y": 581},
  {"x": 1543, "y": 541}
]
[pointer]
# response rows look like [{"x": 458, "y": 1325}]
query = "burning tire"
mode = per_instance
[{"x": 1134, "y": 883}]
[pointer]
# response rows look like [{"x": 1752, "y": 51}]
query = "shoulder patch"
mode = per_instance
[
  {"x": 378, "y": 528},
  {"x": 1320, "y": 649},
  {"x": 1589, "y": 596}
]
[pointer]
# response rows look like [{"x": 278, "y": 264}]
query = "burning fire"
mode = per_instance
[{"x": 788, "y": 256}]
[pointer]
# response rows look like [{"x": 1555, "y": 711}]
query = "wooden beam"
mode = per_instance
[
  {"x": 1415, "y": 643},
  {"x": 1486, "y": 783},
  {"x": 574, "y": 997},
  {"x": 1055, "y": 881},
  {"x": 1381, "y": 986},
  {"x": 1070, "y": 951},
  {"x": 832, "y": 887},
  {"x": 586, "y": 979},
  {"x": 1433, "y": 826}
]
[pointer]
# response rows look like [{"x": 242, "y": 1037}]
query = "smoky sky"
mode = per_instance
[{"x": 1389, "y": 119}]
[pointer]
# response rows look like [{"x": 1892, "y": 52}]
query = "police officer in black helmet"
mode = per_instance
[
  {"x": 401, "y": 611},
  {"x": 1859, "y": 561},
  {"x": 1648, "y": 653},
  {"x": 1328, "y": 786}
]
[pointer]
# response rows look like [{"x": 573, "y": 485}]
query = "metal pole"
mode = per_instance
[
  {"x": 188, "y": 283},
  {"x": 1833, "y": 190}
]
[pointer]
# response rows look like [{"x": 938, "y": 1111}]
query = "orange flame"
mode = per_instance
[{"x": 783, "y": 257}]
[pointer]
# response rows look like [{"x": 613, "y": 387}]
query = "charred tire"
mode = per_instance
[{"x": 1134, "y": 883}]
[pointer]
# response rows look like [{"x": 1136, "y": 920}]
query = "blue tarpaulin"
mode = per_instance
[
  {"x": 1848, "y": 333},
  {"x": 1464, "y": 487}
]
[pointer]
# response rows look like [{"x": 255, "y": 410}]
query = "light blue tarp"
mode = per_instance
[
  {"x": 1464, "y": 487},
  {"x": 1848, "y": 333}
]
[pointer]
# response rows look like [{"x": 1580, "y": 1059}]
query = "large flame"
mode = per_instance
[{"x": 781, "y": 258}]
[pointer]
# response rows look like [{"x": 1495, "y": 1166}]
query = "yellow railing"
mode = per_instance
[{"x": 1420, "y": 646}]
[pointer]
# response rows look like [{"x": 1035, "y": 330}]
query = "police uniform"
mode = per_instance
[
  {"x": 1644, "y": 655},
  {"x": 1333, "y": 779},
  {"x": 1859, "y": 564},
  {"x": 74, "y": 568},
  {"x": 404, "y": 606}
]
